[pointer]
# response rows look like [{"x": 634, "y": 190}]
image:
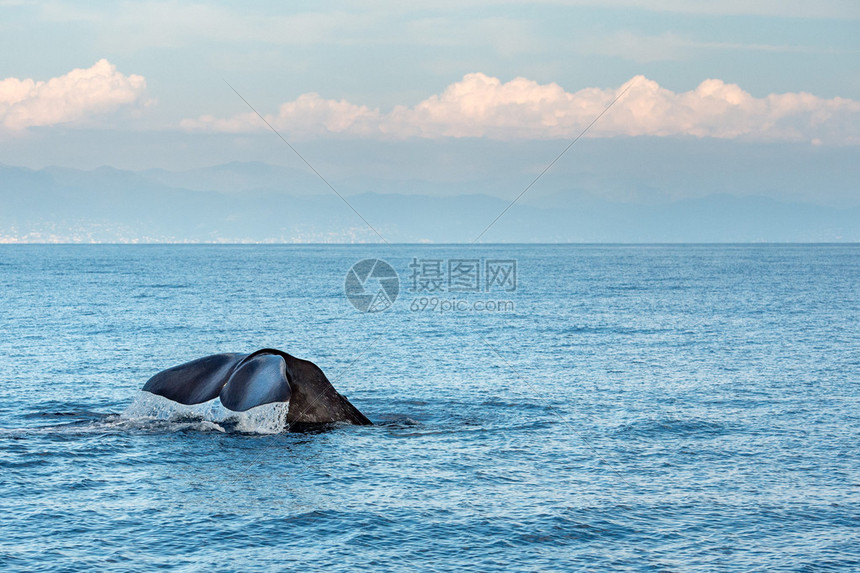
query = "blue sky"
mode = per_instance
[{"x": 474, "y": 87}]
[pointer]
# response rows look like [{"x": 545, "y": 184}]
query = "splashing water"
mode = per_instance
[{"x": 208, "y": 416}]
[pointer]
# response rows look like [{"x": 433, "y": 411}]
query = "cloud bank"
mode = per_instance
[
  {"x": 484, "y": 106},
  {"x": 76, "y": 97}
]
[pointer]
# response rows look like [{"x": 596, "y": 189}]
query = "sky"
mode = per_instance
[{"x": 441, "y": 91}]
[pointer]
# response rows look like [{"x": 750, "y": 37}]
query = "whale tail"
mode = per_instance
[{"x": 244, "y": 381}]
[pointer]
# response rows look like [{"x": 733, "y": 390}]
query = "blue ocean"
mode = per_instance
[{"x": 535, "y": 408}]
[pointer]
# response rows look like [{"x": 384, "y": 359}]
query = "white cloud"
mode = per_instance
[
  {"x": 308, "y": 116},
  {"x": 75, "y": 97},
  {"x": 484, "y": 106}
]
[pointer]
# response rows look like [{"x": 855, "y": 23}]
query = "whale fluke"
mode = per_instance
[
  {"x": 244, "y": 381},
  {"x": 256, "y": 380}
]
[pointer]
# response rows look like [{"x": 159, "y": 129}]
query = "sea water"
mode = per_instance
[{"x": 536, "y": 408}]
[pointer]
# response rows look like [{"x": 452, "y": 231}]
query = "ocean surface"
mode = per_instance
[{"x": 642, "y": 408}]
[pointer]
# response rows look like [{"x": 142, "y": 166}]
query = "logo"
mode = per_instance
[{"x": 371, "y": 285}]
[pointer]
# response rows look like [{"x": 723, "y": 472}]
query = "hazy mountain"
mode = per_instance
[
  {"x": 240, "y": 202},
  {"x": 239, "y": 177}
]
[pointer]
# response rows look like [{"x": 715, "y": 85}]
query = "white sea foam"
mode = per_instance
[{"x": 208, "y": 416}]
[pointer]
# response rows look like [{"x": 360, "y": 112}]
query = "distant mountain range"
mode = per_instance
[{"x": 257, "y": 202}]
